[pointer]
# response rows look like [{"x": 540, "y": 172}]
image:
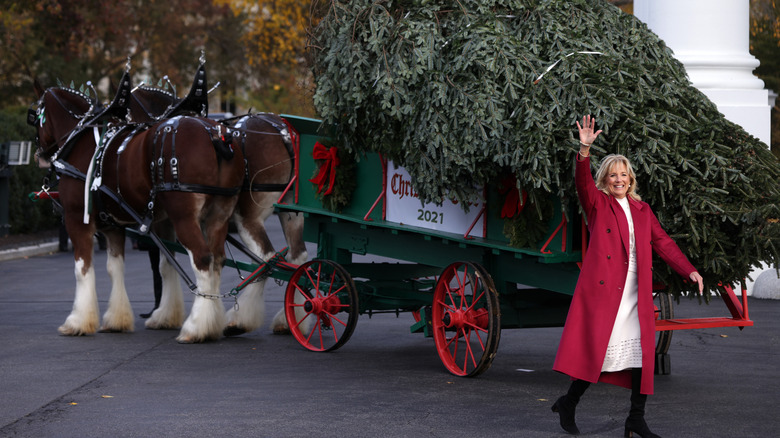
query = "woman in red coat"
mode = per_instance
[{"x": 609, "y": 334}]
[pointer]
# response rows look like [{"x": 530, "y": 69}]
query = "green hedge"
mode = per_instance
[{"x": 25, "y": 216}]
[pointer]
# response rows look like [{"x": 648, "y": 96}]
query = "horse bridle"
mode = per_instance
[{"x": 36, "y": 112}]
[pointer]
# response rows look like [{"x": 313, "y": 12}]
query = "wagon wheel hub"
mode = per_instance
[
  {"x": 458, "y": 319},
  {"x": 329, "y": 304}
]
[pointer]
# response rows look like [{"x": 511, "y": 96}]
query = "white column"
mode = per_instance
[{"x": 712, "y": 39}]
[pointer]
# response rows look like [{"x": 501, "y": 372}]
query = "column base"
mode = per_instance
[{"x": 748, "y": 108}]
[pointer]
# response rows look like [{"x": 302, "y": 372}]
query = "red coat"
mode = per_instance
[{"x": 600, "y": 285}]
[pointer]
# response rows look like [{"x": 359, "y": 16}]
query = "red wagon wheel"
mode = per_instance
[
  {"x": 466, "y": 319},
  {"x": 321, "y": 305}
]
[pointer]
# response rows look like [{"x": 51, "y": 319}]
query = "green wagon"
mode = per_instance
[{"x": 462, "y": 288}]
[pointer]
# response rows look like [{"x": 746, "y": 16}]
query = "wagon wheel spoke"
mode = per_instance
[
  {"x": 315, "y": 281},
  {"x": 445, "y": 305},
  {"x": 452, "y": 300},
  {"x": 297, "y": 325},
  {"x": 462, "y": 283},
  {"x": 303, "y": 291},
  {"x": 469, "y": 355},
  {"x": 332, "y": 317},
  {"x": 477, "y": 330}
]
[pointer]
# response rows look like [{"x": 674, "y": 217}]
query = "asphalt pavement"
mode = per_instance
[{"x": 385, "y": 382}]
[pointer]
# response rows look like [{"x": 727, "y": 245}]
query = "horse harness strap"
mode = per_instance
[
  {"x": 67, "y": 169},
  {"x": 255, "y": 187},
  {"x": 197, "y": 188},
  {"x": 240, "y": 132},
  {"x": 170, "y": 128}
]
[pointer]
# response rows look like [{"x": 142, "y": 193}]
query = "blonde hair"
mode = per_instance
[{"x": 607, "y": 164}]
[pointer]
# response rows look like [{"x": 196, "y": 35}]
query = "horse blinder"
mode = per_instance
[{"x": 32, "y": 115}]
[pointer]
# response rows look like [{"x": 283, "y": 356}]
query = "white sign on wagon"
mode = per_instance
[{"x": 403, "y": 206}]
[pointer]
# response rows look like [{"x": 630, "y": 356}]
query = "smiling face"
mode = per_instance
[
  {"x": 616, "y": 177},
  {"x": 618, "y": 180}
]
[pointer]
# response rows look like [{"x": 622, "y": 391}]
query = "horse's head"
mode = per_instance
[
  {"x": 148, "y": 104},
  {"x": 55, "y": 115}
]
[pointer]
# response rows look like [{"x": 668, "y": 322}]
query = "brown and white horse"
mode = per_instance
[
  {"x": 170, "y": 172},
  {"x": 265, "y": 139}
]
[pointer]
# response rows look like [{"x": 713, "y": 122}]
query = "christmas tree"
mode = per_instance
[{"x": 463, "y": 91}]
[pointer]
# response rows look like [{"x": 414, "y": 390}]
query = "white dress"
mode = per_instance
[{"x": 625, "y": 346}]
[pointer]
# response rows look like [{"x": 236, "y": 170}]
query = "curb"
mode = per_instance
[{"x": 29, "y": 251}]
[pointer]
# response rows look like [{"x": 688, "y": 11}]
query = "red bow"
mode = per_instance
[
  {"x": 327, "y": 169},
  {"x": 512, "y": 203}
]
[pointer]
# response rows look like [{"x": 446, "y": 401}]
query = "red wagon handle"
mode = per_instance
[{"x": 739, "y": 315}]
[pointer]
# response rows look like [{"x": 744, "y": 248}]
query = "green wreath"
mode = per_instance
[
  {"x": 527, "y": 227},
  {"x": 342, "y": 179}
]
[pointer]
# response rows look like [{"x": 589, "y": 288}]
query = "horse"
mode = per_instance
[
  {"x": 266, "y": 142},
  {"x": 170, "y": 174}
]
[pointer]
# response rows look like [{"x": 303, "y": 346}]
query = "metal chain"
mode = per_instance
[
  {"x": 230, "y": 251},
  {"x": 234, "y": 292}
]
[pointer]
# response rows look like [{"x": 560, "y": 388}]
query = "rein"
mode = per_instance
[{"x": 251, "y": 186}]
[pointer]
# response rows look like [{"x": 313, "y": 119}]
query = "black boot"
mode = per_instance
[
  {"x": 566, "y": 404},
  {"x": 635, "y": 423}
]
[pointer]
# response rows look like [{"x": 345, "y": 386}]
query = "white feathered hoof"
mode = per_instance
[
  {"x": 234, "y": 330},
  {"x": 160, "y": 321},
  {"x": 76, "y": 326},
  {"x": 118, "y": 323},
  {"x": 767, "y": 286},
  {"x": 205, "y": 323},
  {"x": 109, "y": 329},
  {"x": 248, "y": 313},
  {"x": 280, "y": 329},
  {"x": 279, "y": 324},
  {"x": 246, "y": 319}
]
